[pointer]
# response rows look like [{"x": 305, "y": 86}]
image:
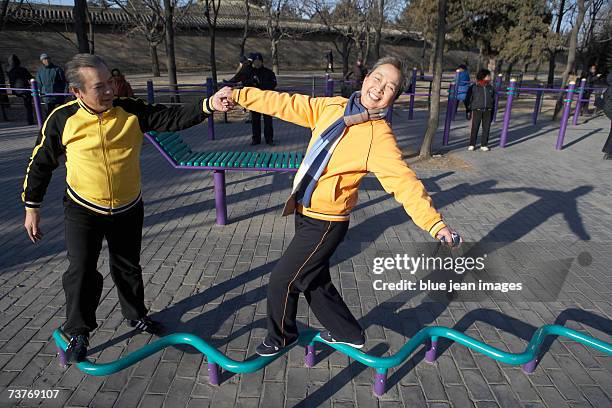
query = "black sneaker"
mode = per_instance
[
  {"x": 607, "y": 156},
  {"x": 328, "y": 338},
  {"x": 145, "y": 324},
  {"x": 271, "y": 143},
  {"x": 266, "y": 350},
  {"x": 254, "y": 142},
  {"x": 77, "y": 348}
]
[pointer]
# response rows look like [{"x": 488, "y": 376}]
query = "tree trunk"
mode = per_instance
[
  {"x": 346, "y": 50},
  {"x": 91, "y": 34},
  {"x": 434, "y": 112},
  {"x": 274, "y": 51},
  {"x": 423, "y": 56},
  {"x": 213, "y": 59},
  {"x": 80, "y": 25},
  {"x": 245, "y": 33},
  {"x": 154, "y": 60},
  {"x": 432, "y": 57},
  {"x": 3, "y": 11},
  {"x": 571, "y": 55},
  {"x": 508, "y": 72},
  {"x": 170, "y": 56},
  {"x": 553, "y": 55},
  {"x": 378, "y": 31}
]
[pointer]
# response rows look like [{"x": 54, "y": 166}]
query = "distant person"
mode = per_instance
[
  {"x": 479, "y": 104},
  {"x": 356, "y": 76},
  {"x": 329, "y": 56},
  {"x": 51, "y": 80},
  {"x": 19, "y": 77},
  {"x": 4, "y": 101},
  {"x": 607, "y": 149},
  {"x": 592, "y": 77},
  {"x": 121, "y": 86},
  {"x": 262, "y": 78},
  {"x": 463, "y": 85},
  {"x": 243, "y": 73}
]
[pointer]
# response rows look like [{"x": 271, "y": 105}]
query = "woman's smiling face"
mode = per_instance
[{"x": 380, "y": 87}]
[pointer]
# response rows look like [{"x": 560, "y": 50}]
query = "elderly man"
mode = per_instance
[
  {"x": 51, "y": 79},
  {"x": 349, "y": 139},
  {"x": 101, "y": 138}
]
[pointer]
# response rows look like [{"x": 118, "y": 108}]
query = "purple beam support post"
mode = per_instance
[
  {"x": 211, "y": 121},
  {"x": 213, "y": 374},
  {"x": 455, "y": 95},
  {"x": 150, "y": 92},
  {"x": 380, "y": 383},
  {"x": 579, "y": 101},
  {"x": 37, "y": 104},
  {"x": 220, "y": 204},
  {"x": 313, "y": 86},
  {"x": 566, "y": 111},
  {"x": 430, "y": 355},
  {"x": 448, "y": 117},
  {"x": 504, "y": 133},
  {"x": 61, "y": 356},
  {"x": 530, "y": 367},
  {"x": 310, "y": 355},
  {"x": 329, "y": 85},
  {"x": 412, "y": 92},
  {"x": 498, "y": 85},
  {"x": 537, "y": 107}
]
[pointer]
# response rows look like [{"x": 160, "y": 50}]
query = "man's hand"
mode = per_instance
[
  {"x": 447, "y": 234},
  {"x": 222, "y": 100},
  {"x": 31, "y": 224}
]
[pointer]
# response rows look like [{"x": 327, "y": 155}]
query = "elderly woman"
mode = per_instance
[{"x": 350, "y": 137}]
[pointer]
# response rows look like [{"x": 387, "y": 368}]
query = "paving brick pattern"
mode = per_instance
[{"x": 211, "y": 280}]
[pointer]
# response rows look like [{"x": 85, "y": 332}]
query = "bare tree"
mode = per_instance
[
  {"x": 245, "y": 32},
  {"x": 570, "y": 66},
  {"x": 80, "y": 14},
  {"x": 211, "y": 12}
]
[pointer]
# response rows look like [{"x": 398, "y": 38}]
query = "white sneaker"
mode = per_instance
[
  {"x": 471, "y": 148},
  {"x": 485, "y": 149}
]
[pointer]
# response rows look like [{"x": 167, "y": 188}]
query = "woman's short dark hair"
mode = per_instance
[
  {"x": 115, "y": 72},
  {"x": 482, "y": 74},
  {"x": 463, "y": 66}
]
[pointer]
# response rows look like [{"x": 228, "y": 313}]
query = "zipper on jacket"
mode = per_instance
[
  {"x": 106, "y": 166},
  {"x": 484, "y": 91}
]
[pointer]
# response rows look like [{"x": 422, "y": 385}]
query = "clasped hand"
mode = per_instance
[{"x": 223, "y": 101}]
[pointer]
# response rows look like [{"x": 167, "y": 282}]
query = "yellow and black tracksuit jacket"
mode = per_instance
[{"x": 102, "y": 150}]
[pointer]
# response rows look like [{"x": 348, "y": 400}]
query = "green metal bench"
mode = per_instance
[{"x": 180, "y": 156}]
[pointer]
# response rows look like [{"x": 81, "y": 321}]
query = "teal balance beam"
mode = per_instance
[{"x": 216, "y": 359}]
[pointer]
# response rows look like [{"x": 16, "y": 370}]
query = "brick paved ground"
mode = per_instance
[{"x": 211, "y": 280}]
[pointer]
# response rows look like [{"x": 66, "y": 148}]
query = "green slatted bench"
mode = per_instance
[{"x": 180, "y": 156}]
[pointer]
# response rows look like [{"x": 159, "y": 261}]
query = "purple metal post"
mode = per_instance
[
  {"x": 566, "y": 111},
  {"x": 537, "y": 107},
  {"x": 309, "y": 356},
  {"x": 213, "y": 374},
  {"x": 380, "y": 383},
  {"x": 504, "y": 133},
  {"x": 220, "y": 204},
  {"x": 412, "y": 92},
  {"x": 211, "y": 121},
  {"x": 579, "y": 101},
  {"x": 430, "y": 355},
  {"x": 455, "y": 94},
  {"x": 448, "y": 117},
  {"x": 498, "y": 84},
  {"x": 150, "y": 92},
  {"x": 329, "y": 85},
  {"x": 37, "y": 104},
  {"x": 61, "y": 356},
  {"x": 530, "y": 367}
]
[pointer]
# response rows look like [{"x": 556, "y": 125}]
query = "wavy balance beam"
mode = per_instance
[{"x": 430, "y": 335}]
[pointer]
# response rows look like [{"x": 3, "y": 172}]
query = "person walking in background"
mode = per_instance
[
  {"x": 262, "y": 78},
  {"x": 329, "y": 56},
  {"x": 51, "y": 80},
  {"x": 121, "y": 86},
  {"x": 19, "y": 77},
  {"x": 592, "y": 77},
  {"x": 4, "y": 101},
  {"x": 607, "y": 149},
  {"x": 462, "y": 86},
  {"x": 479, "y": 104}
]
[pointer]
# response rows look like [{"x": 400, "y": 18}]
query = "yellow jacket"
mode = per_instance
[
  {"x": 102, "y": 150},
  {"x": 367, "y": 147}
]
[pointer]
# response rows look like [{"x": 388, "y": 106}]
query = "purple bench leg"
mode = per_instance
[
  {"x": 530, "y": 367},
  {"x": 430, "y": 355},
  {"x": 309, "y": 357},
  {"x": 220, "y": 205},
  {"x": 213, "y": 374},
  {"x": 380, "y": 383}
]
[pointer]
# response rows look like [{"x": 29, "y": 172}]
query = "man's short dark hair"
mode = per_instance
[{"x": 482, "y": 74}]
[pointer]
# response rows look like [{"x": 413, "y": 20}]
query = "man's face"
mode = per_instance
[
  {"x": 593, "y": 69},
  {"x": 97, "y": 91},
  {"x": 379, "y": 87},
  {"x": 257, "y": 63},
  {"x": 46, "y": 61}
]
